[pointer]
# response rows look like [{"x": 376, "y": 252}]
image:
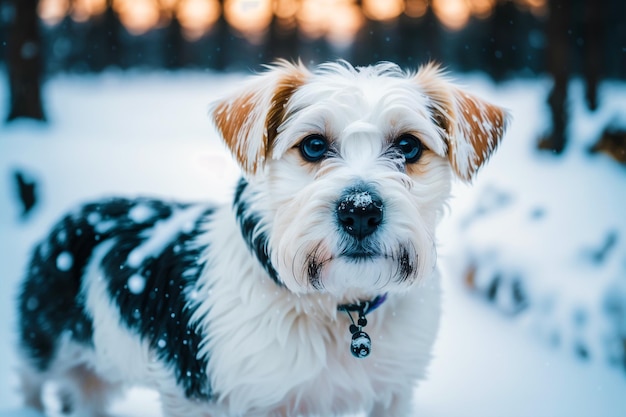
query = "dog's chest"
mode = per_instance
[{"x": 271, "y": 355}]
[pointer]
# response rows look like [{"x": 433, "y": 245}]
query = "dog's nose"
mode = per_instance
[{"x": 360, "y": 213}]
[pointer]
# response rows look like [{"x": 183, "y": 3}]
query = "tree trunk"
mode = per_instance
[
  {"x": 25, "y": 62},
  {"x": 282, "y": 41},
  {"x": 558, "y": 65},
  {"x": 593, "y": 49},
  {"x": 222, "y": 37},
  {"x": 174, "y": 45}
]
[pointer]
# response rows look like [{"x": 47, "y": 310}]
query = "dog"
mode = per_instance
[{"x": 314, "y": 293}]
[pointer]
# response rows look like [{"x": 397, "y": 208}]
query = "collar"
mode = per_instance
[{"x": 364, "y": 307}]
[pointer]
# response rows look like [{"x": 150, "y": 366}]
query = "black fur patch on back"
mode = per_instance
[
  {"x": 248, "y": 223},
  {"x": 51, "y": 303},
  {"x": 153, "y": 299}
]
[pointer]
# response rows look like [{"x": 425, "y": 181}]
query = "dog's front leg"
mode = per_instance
[{"x": 400, "y": 406}]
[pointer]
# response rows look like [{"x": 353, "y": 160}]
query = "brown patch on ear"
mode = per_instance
[
  {"x": 276, "y": 115},
  {"x": 480, "y": 127},
  {"x": 440, "y": 119},
  {"x": 471, "y": 126},
  {"x": 230, "y": 118},
  {"x": 249, "y": 121}
]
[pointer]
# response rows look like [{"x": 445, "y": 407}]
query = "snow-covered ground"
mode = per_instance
[{"x": 528, "y": 215}]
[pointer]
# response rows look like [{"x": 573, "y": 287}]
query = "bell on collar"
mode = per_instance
[{"x": 361, "y": 344}]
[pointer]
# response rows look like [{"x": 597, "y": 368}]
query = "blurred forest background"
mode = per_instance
[
  {"x": 503, "y": 38},
  {"x": 541, "y": 237}
]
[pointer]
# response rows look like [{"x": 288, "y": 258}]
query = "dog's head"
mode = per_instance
[{"x": 347, "y": 170}]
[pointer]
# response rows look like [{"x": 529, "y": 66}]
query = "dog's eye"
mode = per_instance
[
  {"x": 411, "y": 147},
  {"x": 313, "y": 148}
]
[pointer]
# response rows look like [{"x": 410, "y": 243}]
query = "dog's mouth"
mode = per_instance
[
  {"x": 361, "y": 254},
  {"x": 399, "y": 266},
  {"x": 362, "y": 250}
]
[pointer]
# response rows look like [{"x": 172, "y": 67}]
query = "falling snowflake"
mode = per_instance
[
  {"x": 136, "y": 284},
  {"x": 65, "y": 260}
]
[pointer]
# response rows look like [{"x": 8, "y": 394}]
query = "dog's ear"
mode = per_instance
[
  {"x": 472, "y": 127},
  {"x": 248, "y": 120}
]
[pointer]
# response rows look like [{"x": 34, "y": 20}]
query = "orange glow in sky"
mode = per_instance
[
  {"x": 383, "y": 10},
  {"x": 53, "y": 11},
  {"x": 344, "y": 23},
  {"x": 169, "y": 5},
  {"x": 416, "y": 8},
  {"x": 338, "y": 20},
  {"x": 197, "y": 16},
  {"x": 482, "y": 8},
  {"x": 537, "y": 7},
  {"x": 286, "y": 9},
  {"x": 249, "y": 16},
  {"x": 454, "y": 14},
  {"x": 138, "y": 16},
  {"x": 82, "y": 10}
]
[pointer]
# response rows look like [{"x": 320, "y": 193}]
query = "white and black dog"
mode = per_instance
[{"x": 268, "y": 306}]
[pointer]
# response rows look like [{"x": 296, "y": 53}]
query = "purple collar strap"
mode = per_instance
[{"x": 364, "y": 307}]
